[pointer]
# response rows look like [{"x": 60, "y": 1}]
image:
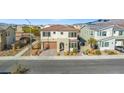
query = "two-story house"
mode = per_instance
[
  {"x": 59, "y": 37},
  {"x": 108, "y": 37},
  {"x": 2, "y": 39},
  {"x": 7, "y": 36}
]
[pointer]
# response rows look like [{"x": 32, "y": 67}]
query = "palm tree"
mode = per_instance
[{"x": 92, "y": 42}]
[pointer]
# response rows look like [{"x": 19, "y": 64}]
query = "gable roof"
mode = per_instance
[
  {"x": 5, "y": 28},
  {"x": 60, "y": 28},
  {"x": 103, "y": 27}
]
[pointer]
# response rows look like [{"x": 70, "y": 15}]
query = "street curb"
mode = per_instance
[{"x": 62, "y": 57}]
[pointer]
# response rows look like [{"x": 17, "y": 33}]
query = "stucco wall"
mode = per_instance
[
  {"x": 57, "y": 35},
  {"x": 11, "y": 37},
  {"x": 86, "y": 33},
  {"x": 108, "y": 31},
  {"x": 111, "y": 45}
]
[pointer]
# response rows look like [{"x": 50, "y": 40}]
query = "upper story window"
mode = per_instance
[
  {"x": 104, "y": 33},
  {"x": 114, "y": 32},
  {"x": 98, "y": 33},
  {"x": 73, "y": 44},
  {"x": 120, "y": 32},
  {"x": 91, "y": 33},
  {"x": 54, "y": 32},
  {"x": 72, "y": 34},
  {"x": 105, "y": 44},
  {"x": 61, "y": 33},
  {"x": 46, "y": 34}
]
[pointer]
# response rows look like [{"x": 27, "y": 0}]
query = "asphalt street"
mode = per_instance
[{"x": 101, "y": 66}]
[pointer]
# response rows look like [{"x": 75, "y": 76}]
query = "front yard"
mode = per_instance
[
  {"x": 11, "y": 52},
  {"x": 86, "y": 50}
]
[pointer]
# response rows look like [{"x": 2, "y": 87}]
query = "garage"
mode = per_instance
[{"x": 49, "y": 45}]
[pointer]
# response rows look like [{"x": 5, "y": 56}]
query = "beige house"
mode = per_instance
[{"x": 59, "y": 37}]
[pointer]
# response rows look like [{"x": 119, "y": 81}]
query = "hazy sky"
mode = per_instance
[{"x": 46, "y": 21}]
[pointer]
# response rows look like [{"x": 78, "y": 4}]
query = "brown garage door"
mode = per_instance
[{"x": 51, "y": 45}]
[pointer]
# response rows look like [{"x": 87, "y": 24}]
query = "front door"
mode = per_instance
[{"x": 61, "y": 46}]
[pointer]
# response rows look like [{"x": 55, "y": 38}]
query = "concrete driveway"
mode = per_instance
[{"x": 49, "y": 52}]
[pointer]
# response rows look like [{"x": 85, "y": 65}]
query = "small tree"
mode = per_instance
[
  {"x": 92, "y": 42},
  {"x": 34, "y": 30}
]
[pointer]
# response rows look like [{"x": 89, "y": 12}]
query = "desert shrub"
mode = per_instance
[
  {"x": 71, "y": 53},
  {"x": 17, "y": 45},
  {"x": 97, "y": 52},
  {"x": 75, "y": 51},
  {"x": 106, "y": 51},
  {"x": 37, "y": 46},
  {"x": 111, "y": 52},
  {"x": 87, "y": 52},
  {"x": 66, "y": 53},
  {"x": 20, "y": 69},
  {"x": 58, "y": 53},
  {"x": 74, "y": 54}
]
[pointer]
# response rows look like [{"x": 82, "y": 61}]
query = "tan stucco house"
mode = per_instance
[{"x": 59, "y": 37}]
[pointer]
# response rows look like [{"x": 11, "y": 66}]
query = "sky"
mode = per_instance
[{"x": 45, "y": 21}]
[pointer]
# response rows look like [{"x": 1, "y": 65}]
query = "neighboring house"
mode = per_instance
[
  {"x": 20, "y": 33},
  {"x": 10, "y": 35},
  {"x": 108, "y": 37},
  {"x": 2, "y": 39},
  {"x": 59, "y": 37}
]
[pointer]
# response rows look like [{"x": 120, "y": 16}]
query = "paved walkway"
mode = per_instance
[{"x": 49, "y": 52}]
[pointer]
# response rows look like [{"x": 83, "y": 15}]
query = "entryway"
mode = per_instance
[{"x": 61, "y": 45}]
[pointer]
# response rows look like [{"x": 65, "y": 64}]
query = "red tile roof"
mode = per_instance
[{"x": 60, "y": 28}]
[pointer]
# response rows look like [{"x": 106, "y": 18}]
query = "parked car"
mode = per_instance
[{"x": 120, "y": 48}]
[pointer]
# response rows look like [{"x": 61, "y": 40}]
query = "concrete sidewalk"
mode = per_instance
[{"x": 63, "y": 57}]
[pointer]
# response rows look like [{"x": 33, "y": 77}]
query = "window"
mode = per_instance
[
  {"x": 104, "y": 33},
  {"x": 61, "y": 33},
  {"x": 73, "y": 45},
  {"x": 72, "y": 34},
  {"x": 105, "y": 44},
  {"x": 120, "y": 32},
  {"x": 98, "y": 33},
  {"x": 46, "y": 34},
  {"x": 54, "y": 32},
  {"x": 91, "y": 33}
]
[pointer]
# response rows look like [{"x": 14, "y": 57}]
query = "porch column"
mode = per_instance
[
  {"x": 66, "y": 45},
  {"x": 41, "y": 45},
  {"x": 58, "y": 43}
]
